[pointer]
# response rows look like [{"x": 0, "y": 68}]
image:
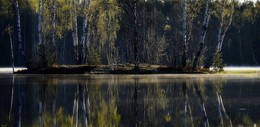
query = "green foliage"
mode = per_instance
[
  {"x": 62, "y": 119},
  {"x": 105, "y": 16},
  {"x": 94, "y": 57},
  {"x": 107, "y": 114},
  {"x": 5, "y": 7},
  {"x": 218, "y": 62}
]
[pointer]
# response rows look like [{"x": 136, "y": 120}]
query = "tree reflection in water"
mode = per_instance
[{"x": 129, "y": 101}]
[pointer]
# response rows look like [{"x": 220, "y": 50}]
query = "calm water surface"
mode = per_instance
[{"x": 129, "y": 100}]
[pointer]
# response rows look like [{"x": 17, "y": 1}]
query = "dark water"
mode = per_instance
[{"x": 130, "y": 100}]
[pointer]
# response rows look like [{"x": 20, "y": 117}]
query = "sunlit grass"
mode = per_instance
[
  {"x": 10, "y": 70},
  {"x": 241, "y": 70}
]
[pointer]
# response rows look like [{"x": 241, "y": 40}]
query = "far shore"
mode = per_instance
[{"x": 126, "y": 69}]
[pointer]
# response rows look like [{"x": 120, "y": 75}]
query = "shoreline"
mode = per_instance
[{"x": 124, "y": 69}]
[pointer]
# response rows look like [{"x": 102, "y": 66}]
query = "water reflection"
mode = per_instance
[{"x": 129, "y": 100}]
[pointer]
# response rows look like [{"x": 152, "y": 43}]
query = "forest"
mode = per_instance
[{"x": 185, "y": 33}]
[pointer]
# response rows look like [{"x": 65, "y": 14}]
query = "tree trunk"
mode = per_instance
[
  {"x": 84, "y": 33},
  {"x": 203, "y": 35},
  {"x": 9, "y": 30},
  {"x": 136, "y": 59},
  {"x": 53, "y": 23},
  {"x": 184, "y": 51},
  {"x": 2, "y": 33},
  {"x": 63, "y": 48},
  {"x": 20, "y": 44},
  {"x": 39, "y": 23},
  {"x": 221, "y": 32},
  {"x": 75, "y": 32}
]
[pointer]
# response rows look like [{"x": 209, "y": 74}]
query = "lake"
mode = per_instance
[{"x": 130, "y": 100}]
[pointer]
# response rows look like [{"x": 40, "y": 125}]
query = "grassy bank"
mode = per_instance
[{"x": 112, "y": 69}]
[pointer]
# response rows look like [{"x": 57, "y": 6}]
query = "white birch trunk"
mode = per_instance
[
  {"x": 20, "y": 44},
  {"x": 53, "y": 23},
  {"x": 9, "y": 30},
  {"x": 223, "y": 30},
  {"x": 206, "y": 18},
  {"x": 85, "y": 31},
  {"x": 39, "y": 22},
  {"x": 75, "y": 32},
  {"x": 220, "y": 29},
  {"x": 136, "y": 59},
  {"x": 184, "y": 33}
]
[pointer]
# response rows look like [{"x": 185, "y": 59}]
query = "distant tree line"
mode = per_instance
[{"x": 188, "y": 33}]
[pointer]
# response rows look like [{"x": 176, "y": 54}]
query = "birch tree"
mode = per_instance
[
  {"x": 225, "y": 15},
  {"x": 131, "y": 9},
  {"x": 18, "y": 21},
  {"x": 75, "y": 31},
  {"x": 104, "y": 24},
  {"x": 39, "y": 22},
  {"x": 204, "y": 28},
  {"x": 9, "y": 30},
  {"x": 85, "y": 31},
  {"x": 184, "y": 34}
]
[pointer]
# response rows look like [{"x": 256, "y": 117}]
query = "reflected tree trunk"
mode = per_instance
[
  {"x": 40, "y": 114},
  {"x": 202, "y": 105},
  {"x": 12, "y": 98},
  {"x": 21, "y": 94},
  {"x": 224, "y": 110},
  {"x": 75, "y": 109},
  {"x": 191, "y": 116},
  {"x": 184, "y": 90},
  {"x": 54, "y": 110},
  {"x": 219, "y": 109},
  {"x": 84, "y": 112},
  {"x": 134, "y": 106}
]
